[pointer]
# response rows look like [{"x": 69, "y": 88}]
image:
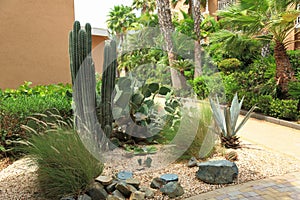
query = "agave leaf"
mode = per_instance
[
  {"x": 241, "y": 103},
  {"x": 235, "y": 111},
  {"x": 218, "y": 115},
  {"x": 247, "y": 116},
  {"x": 228, "y": 123}
]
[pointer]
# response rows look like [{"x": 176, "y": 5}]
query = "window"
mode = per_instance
[{"x": 298, "y": 18}]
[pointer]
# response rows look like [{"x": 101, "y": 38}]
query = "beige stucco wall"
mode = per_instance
[
  {"x": 98, "y": 51},
  {"x": 34, "y": 41}
]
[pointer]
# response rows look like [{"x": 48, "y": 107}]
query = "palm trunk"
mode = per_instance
[
  {"x": 166, "y": 26},
  {"x": 284, "y": 70},
  {"x": 197, "y": 30}
]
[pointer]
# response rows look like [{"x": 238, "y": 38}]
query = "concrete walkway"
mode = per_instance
[
  {"x": 278, "y": 138},
  {"x": 272, "y": 136}
]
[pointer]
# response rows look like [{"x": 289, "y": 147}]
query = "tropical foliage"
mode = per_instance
[{"x": 271, "y": 20}]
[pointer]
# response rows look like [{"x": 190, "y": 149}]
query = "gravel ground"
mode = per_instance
[{"x": 18, "y": 181}]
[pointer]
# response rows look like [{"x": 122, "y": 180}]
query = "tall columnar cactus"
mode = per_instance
[
  {"x": 80, "y": 46},
  {"x": 84, "y": 84},
  {"x": 108, "y": 85}
]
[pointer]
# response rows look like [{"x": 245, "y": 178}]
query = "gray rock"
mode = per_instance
[
  {"x": 125, "y": 189},
  {"x": 84, "y": 197},
  {"x": 117, "y": 194},
  {"x": 123, "y": 175},
  {"x": 134, "y": 182},
  {"x": 217, "y": 172},
  {"x": 137, "y": 195},
  {"x": 172, "y": 189},
  {"x": 112, "y": 197},
  {"x": 157, "y": 183},
  {"x": 148, "y": 162},
  {"x": 149, "y": 193},
  {"x": 169, "y": 177},
  {"x": 192, "y": 162},
  {"x": 104, "y": 180},
  {"x": 97, "y": 191},
  {"x": 67, "y": 198},
  {"x": 110, "y": 188}
]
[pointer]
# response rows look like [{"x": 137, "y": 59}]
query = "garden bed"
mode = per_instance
[{"x": 18, "y": 180}]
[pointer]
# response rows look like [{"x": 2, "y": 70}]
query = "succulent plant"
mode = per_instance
[
  {"x": 227, "y": 120},
  {"x": 84, "y": 84}
]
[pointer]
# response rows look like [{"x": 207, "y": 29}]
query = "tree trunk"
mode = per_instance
[
  {"x": 284, "y": 70},
  {"x": 166, "y": 27},
  {"x": 197, "y": 30}
]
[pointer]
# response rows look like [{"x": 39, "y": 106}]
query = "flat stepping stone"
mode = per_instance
[
  {"x": 124, "y": 175},
  {"x": 169, "y": 177},
  {"x": 105, "y": 180}
]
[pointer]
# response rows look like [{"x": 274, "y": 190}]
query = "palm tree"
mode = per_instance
[
  {"x": 121, "y": 18},
  {"x": 197, "y": 29},
  {"x": 275, "y": 17},
  {"x": 167, "y": 28},
  {"x": 146, "y": 5}
]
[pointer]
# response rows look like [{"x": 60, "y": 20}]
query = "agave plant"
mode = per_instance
[{"x": 227, "y": 121}]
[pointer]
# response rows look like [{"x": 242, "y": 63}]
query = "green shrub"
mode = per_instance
[
  {"x": 264, "y": 103},
  {"x": 65, "y": 167},
  {"x": 16, "y": 106},
  {"x": 294, "y": 89},
  {"x": 294, "y": 56},
  {"x": 229, "y": 65},
  {"x": 200, "y": 87},
  {"x": 231, "y": 85},
  {"x": 284, "y": 109}
]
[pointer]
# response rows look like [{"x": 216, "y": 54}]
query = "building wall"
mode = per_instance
[
  {"x": 98, "y": 51},
  {"x": 34, "y": 41}
]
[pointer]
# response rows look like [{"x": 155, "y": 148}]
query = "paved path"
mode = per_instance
[
  {"x": 278, "y": 138},
  {"x": 279, "y": 187}
]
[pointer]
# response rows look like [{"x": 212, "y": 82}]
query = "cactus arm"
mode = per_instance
[
  {"x": 82, "y": 40},
  {"x": 71, "y": 56},
  {"x": 76, "y": 28},
  {"x": 88, "y": 30}
]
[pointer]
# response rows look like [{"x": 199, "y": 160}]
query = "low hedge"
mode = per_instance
[{"x": 18, "y": 105}]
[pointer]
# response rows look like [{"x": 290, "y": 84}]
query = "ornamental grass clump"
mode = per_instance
[{"x": 65, "y": 166}]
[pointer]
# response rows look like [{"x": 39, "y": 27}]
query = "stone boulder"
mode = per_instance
[
  {"x": 97, "y": 191},
  {"x": 172, "y": 189},
  {"x": 217, "y": 172}
]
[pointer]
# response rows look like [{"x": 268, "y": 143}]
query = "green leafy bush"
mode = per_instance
[
  {"x": 17, "y": 105},
  {"x": 284, "y": 109},
  {"x": 200, "y": 87},
  {"x": 65, "y": 167},
  {"x": 231, "y": 85},
  {"x": 264, "y": 103},
  {"x": 294, "y": 56},
  {"x": 230, "y": 65}
]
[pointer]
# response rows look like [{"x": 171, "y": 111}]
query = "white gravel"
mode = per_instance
[{"x": 18, "y": 181}]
